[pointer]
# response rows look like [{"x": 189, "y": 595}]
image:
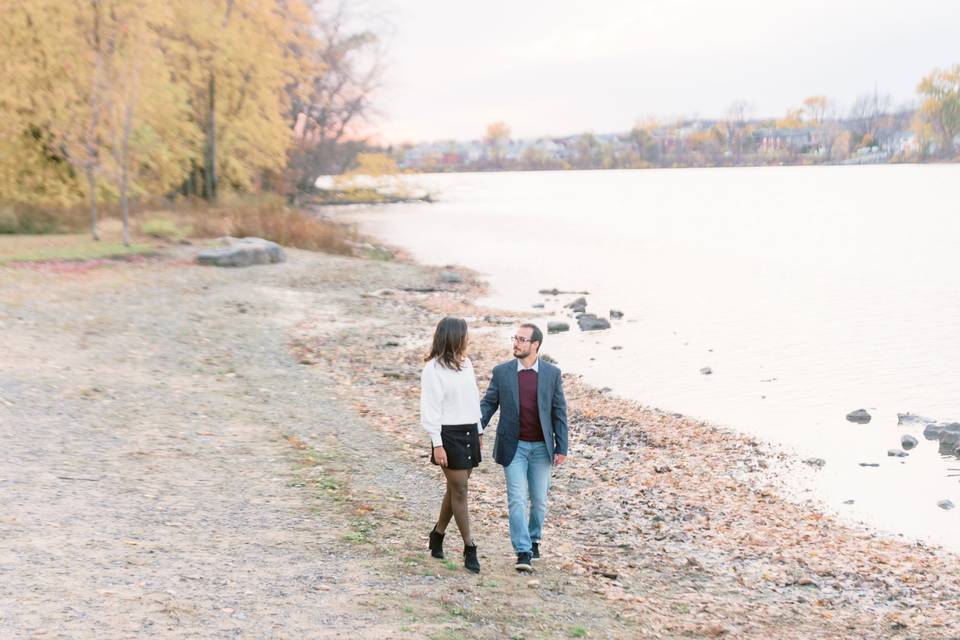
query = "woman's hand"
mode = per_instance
[{"x": 440, "y": 455}]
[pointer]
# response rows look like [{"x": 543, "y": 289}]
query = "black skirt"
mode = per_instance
[{"x": 462, "y": 444}]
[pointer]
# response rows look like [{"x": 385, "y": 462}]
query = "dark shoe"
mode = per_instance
[
  {"x": 536, "y": 551},
  {"x": 436, "y": 543},
  {"x": 523, "y": 562},
  {"x": 470, "y": 558}
]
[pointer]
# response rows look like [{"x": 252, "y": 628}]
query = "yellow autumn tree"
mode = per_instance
[
  {"x": 234, "y": 59},
  {"x": 940, "y": 109}
]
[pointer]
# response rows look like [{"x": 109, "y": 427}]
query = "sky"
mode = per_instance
[{"x": 560, "y": 67}]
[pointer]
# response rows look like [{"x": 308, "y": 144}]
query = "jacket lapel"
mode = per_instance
[
  {"x": 542, "y": 386},
  {"x": 513, "y": 381}
]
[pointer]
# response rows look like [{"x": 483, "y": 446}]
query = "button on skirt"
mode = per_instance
[{"x": 462, "y": 444}]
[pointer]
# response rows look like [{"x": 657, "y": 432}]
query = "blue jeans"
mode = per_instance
[{"x": 528, "y": 478}]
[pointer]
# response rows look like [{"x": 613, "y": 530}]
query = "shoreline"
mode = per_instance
[
  {"x": 697, "y": 491},
  {"x": 658, "y": 527}
]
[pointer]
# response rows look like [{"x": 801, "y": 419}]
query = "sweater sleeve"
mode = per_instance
[{"x": 431, "y": 403}]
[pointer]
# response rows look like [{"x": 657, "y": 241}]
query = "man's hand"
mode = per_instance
[
  {"x": 440, "y": 455},
  {"x": 558, "y": 458}
]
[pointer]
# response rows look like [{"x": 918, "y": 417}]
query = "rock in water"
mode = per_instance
[
  {"x": 577, "y": 306},
  {"x": 815, "y": 462},
  {"x": 245, "y": 252},
  {"x": 450, "y": 277},
  {"x": 912, "y": 418},
  {"x": 706, "y": 371},
  {"x": 590, "y": 322},
  {"x": 897, "y": 453},
  {"x": 615, "y": 314},
  {"x": 557, "y": 327},
  {"x": 933, "y": 431},
  {"x": 946, "y": 505},
  {"x": 908, "y": 442},
  {"x": 860, "y": 416}
]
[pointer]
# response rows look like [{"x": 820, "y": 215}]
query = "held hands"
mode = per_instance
[{"x": 440, "y": 455}]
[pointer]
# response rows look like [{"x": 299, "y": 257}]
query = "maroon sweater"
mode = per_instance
[{"x": 530, "y": 429}]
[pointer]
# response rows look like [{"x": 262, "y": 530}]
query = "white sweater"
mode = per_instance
[{"x": 448, "y": 396}]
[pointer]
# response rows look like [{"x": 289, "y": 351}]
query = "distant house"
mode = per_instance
[{"x": 773, "y": 139}]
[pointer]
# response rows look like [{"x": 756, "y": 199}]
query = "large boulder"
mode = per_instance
[
  {"x": 908, "y": 442},
  {"x": 244, "y": 252},
  {"x": 860, "y": 416},
  {"x": 590, "y": 322}
]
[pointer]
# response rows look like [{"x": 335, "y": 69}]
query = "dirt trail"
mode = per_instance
[{"x": 168, "y": 468}]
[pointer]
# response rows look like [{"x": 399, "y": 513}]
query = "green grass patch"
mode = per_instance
[
  {"x": 80, "y": 250},
  {"x": 164, "y": 229},
  {"x": 578, "y": 632},
  {"x": 361, "y": 532}
]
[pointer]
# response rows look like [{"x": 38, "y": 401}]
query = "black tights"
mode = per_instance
[{"x": 455, "y": 503}]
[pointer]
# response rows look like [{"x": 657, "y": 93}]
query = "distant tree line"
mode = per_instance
[{"x": 814, "y": 132}]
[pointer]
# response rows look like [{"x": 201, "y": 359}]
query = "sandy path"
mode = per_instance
[{"x": 145, "y": 473}]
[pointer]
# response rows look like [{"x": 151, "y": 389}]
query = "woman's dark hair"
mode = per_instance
[{"x": 449, "y": 342}]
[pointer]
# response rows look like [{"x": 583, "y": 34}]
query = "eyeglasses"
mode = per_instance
[{"x": 521, "y": 339}]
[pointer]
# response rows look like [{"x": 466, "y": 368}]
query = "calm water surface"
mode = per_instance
[{"x": 810, "y": 292}]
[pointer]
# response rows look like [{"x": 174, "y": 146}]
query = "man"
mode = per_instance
[{"x": 531, "y": 436}]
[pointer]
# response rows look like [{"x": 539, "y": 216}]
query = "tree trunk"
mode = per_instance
[
  {"x": 92, "y": 181},
  {"x": 210, "y": 163},
  {"x": 124, "y": 174}
]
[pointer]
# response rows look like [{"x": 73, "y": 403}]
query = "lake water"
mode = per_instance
[{"x": 809, "y": 291}]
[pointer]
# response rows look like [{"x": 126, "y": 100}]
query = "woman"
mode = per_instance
[{"x": 450, "y": 413}]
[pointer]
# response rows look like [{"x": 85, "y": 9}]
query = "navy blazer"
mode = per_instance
[{"x": 504, "y": 394}]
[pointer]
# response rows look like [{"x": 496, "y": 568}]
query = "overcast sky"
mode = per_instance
[{"x": 558, "y": 67}]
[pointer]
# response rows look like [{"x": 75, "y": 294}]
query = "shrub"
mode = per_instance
[
  {"x": 267, "y": 217},
  {"x": 163, "y": 228}
]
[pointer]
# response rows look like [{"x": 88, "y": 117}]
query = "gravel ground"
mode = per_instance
[{"x": 200, "y": 452}]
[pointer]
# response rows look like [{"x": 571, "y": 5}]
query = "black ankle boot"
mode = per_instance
[
  {"x": 470, "y": 558},
  {"x": 436, "y": 543}
]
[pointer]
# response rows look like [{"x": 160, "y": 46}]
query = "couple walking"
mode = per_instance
[{"x": 531, "y": 435}]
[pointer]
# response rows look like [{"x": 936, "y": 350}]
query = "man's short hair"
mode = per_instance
[{"x": 536, "y": 335}]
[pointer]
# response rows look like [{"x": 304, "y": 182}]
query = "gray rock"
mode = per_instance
[
  {"x": 912, "y": 418},
  {"x": 548, "y": 358},
  {"x": 590, "y": 322},
  {"x": 538, "y": 305},
  {"x": 933, "y": 431},
  {"x": 450, "y": 277},
  {"x": 946, "y": 505},
  {"x": 557, "y": 327},
  {"x": 706, "y": 371},
  {"x": 869, "y": 464},
  {"x": 908, "y": 442},
  {"x": 615, "y": 314},
  {"x": 860, "y": 416},
  {"x": 815, "y": 462},
  {"x": 849, "y": 501},
  {"x": 616, "y": 347},
  {"x": 577, "y": 306},
  {"x": 245, "y": 252},
  {"x": 897, "y": 453}
]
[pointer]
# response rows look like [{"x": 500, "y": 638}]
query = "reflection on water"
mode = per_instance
[{"x": 809, "y": 293}]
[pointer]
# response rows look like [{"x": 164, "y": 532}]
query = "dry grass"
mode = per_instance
[
  {"x": 35, "y": 233},
  {"x": 32, "y": 219},
  {"x": 264, "y": 217}
]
